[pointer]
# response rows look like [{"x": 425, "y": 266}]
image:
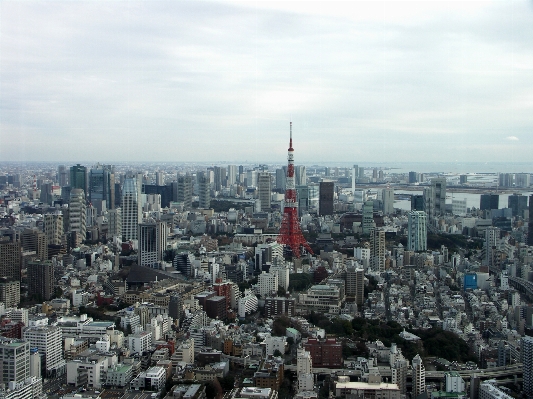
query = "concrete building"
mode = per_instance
[
  {"x": 15, "y": 360},
  {"x": 48, "y": 340},
  {"x": 304, "y": 370},
  {"x": 367, "y": 223},
  {"x": 355, "y": 284},
  {"x": 326, "y": 353},
  {"x": 326, "y": 192},
  {"x": 53, "y": 228},
  {"x": 264, "y": 190},
  {"x": 114, "y": 223},
  {"x": 527, "y": 359},
  {"x": 152, "y": 242},
  {"x": 184, "y": 194},
  {"x": 247, "y": 304},
  {"x": 277, "y": 306},
  {"x": 267, "y": 284},
  {"x": 40, "y": 280},
  {"x": 77, "y": 214},
  {"x": 131, "y": 207},
  {"x": 204, "y": 190},
  {"x": 9, "y": 292},
  {"x": 417, "y": 231},
  {"x": 377, "y": 250},
  {"x": 418, "y": 376},
  {"x": 387, "y": 197}
]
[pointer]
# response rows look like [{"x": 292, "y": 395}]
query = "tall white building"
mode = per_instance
[
  {"x": 204, "y": 190},
  {"x": 48, "y": 339},
  {"x": 247, "y": 304},
  {"x": 304, "y": 369},
  {"x": 114, "y": 223},
  {"x": 53, "y": 228},
  {"x": 419, "y": 376},
  {"x": 387, "y": 197},
  {"x": 232, "y": 174},
  {"x": 131, "y": 207},
  {"x": 15, "y": 360},
  {"x": 300, "y": 175},
  {"x": 283, "y": 274},
  {"x": 267, "y": 283},
  {"x": 152, "y": 242},
  {"x": 377, "y": 250},
  {"x": 417, "y": 231}
]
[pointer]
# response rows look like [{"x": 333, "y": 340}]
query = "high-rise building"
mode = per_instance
[
  {"x": 355, "y": 175},
  {"x": 267, "y": 283},
  {"x": 506, "y": 180},
  {"x": 114, "y": 222},
  {"x": 232, "y": 174},
  {"x": 518, "y": 204},
  {"x": 419, "y": 376},
  {"x": 62, "y": 176},
  {"x": 40, "y": 280},
  {"x": 10, "y": 257},
  {"x": 417, "y": 202},
  {"x": 220, "y": 177},
  {"x": 355, "y": 284},
  {"x": 303, "y": 200},
  {"x": 367, "y": 223},
  {"x": 527, "y": 360},
  {"x": 102, "y": 187},
  {"x": 300, "y": 175},
  {"x": 522, "y": 180},
  {"x": 77, "y": 214},
  {"x": 417, "y": 231},
  {"x": 46, "y": 196},
  {"x": 387, "y": 196},
  {"x": 34, "y": 240},
  {"x": 325, "y": 204},
  {"x": 9, "y": 292},
  {"x": 152, "y": 242},
  {"x": 530, "y": 222},
  {"x": 204, "y": 190},
  {"x": 281, "y": 178},
  {"x": 304, "y": 369},
  {"x": 377, "y": 250},
  {"x": 48, "y": 339},
  {"x": 439, "y": 194},
  {"x": 413, "y": 177},
  {"x": 489, "y": 201},
  {"x": 78, "y": 177},
  {"x": 15, "y": 360},
  {"x": 53, "y": 228},
  {"x": 131, "y": 207},
  {"x": 184, "y": 194},
  {"x": 159, "y": 178},
  {"x": 264, "y": 190}
]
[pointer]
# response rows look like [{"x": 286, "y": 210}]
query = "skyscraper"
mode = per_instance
[
  {"x": 419, "y": 376},
  {"x": 131, "y": 208},
  {"x": 220, "y": 177},
  {"x": 114, "y": 223},
  {"x": 102, "y": 187},
  {"x": 264, "y": 190},
  {"x": 530, "y": 223},
  {"x": 518, "y": 204},
  {"x": 204, "y": 190},
  {"x": 232, "y": 175},
  {"x": 152, "y": 242},
  {"x": 78, "y": 177},
  {"x": 35, "y": 240},
  {"x": 387, "y": 195},
  {"x": 367, "y": 223},
  {"x": 377, "y": 250},
  {"x": 439, "y": 194},
  {"x": 62, "y": 176},
  {"x": 40, "y": 280},
  {"x": 77, "y": 214},
  {"x": 417, "y": 231},
  {"x": 300, "y": 175},
  {"x": 355, "y": 284},
  {"x": 325, "y": 204},
  {"x": 355, "y": 175},
  {"x": 303, "y": 200},
  {"x": 53, "y": 228},
  {"x": 527, "y": 359},
  {"x": 281, "y": 178},
  {"x": 10, "y": 256},
  {"x": 489, "y": 201},
  {"x": 185, "y": 191}
]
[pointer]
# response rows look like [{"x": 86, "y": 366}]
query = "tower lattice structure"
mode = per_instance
[{"x": 290, "y": 233}]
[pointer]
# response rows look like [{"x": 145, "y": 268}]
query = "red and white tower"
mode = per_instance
[{"x": 290, "y": 233}]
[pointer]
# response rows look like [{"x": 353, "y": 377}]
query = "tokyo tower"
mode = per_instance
[{"x": 290, "y": 233}]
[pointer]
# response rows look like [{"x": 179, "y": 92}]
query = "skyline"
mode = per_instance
[{"x": 198, "y": 82}]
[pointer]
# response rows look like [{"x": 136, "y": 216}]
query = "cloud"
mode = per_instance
[{"x": 512, "y": 138}]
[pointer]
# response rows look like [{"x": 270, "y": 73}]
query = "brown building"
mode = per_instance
[
  {"x": 326, "y": 353},
  {"x": 40, "y": 280},
  {"x": 215, "y": 307},
  {"x": 269, "y": 374},
  {"x": 35, "y": 240},
  {"x": 10, "y": 257},
  {"x": 279, "y": 306},
  {"x": 9, "y": 292},
  {"x": 204, "y": 296}
]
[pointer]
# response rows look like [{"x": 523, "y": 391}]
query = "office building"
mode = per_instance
[
  {"x": 325, "y": 204},
  {"x": 489, "y": 389},
  {"x": 355, "y": 175},
  {"x": 377, "y": 250},
  {"x": 102, "y": 187},
  {"x": 53, "y": 228},
  {"x": 77, "y": 215},
  {"x": 325, "y": 353},
  {"x": 40, "y": 280},
  {"x": 489, "y": 201},
  {"x": 216, "y": 307},
  {"x": 184, "y": 194},
  {"x": 387, "y": 197},
  {"x": 417, "y": 202},
  {"x": 530, "y": 223},
  {"x": 46, "y": 195},
  {"x": 281, "y": 178},
  {"x": 303, "y": 200},
  {"x": 527, "y": 360},
  {"x": 518, "y": 204},
  {"x": 232, "y": 175},
  {"x": 114, "y": 223},
  {"x": 48, "y": 340},
  {"x": 506, "y": 180},
  {"x": 219, "y": 177},
  {"x": 439, "y": 196},
  {"x": 10, "y": 257},
  {"x": 78, "y": 177},
  {"x": 300, "y": 175},
  {"x": 522, "y": 180},
  {"x": 33, "y": 240},
  {"x": 278, "y": 306},
  {"x": 264, "y": 190},
  {"x": 131, "y": 207},
  {"x": 15, "y": 360},
  {"x": 152, "y": 242},
  {"x": 62, "y": 175},
  {"x": 304, "y": 370},
  {"x": 417, "y": 231},
  {"x": 418, "y": 376},
  {"x": 9, "y": 292},
  {"x": 367, "y": 223},
  {"x": 413, "y": 177},
  {"x": 204, "y": 190},
  {"x": 267, "y": 284},
  {"x": 355, "y": 284}
]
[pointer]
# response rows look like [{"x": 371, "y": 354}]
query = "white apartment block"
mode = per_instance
[
  {"x": 267, "y": 283},
  {"x": 275, "y": 344},
  {"x": 247, "y": 304},
  {"x": 48, "y": 339},
  {"x": 139, "y": 342}
]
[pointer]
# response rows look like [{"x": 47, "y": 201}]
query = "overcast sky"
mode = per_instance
[{"x": 220, "y": 81}]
